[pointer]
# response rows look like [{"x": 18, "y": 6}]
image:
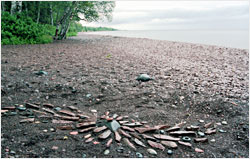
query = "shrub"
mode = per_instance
[{"x": 20, "y": 29}]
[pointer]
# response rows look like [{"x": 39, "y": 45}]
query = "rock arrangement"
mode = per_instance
[{"x": 96, "y": 129}]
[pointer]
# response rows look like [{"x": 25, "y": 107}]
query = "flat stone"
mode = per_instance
[
  {"x": 66, "y": 112},
  {"x": 65, "y": 127},
  {"x": 58, "y": 108},
  {"x": 199, "y": 150},
  {"x": 124, "y": 133},
  {"x": 159, "y": 127},
  {"x": 182, "y": 133},
  {"x": 123, "y": 121},
  {"x": 173, "y": 128},
  {"x": 99, "y": 129},
  {"x": 156, "y": 145},
  {"x": 73, "y": 133},
  {"x": 89, "y": 140},
  {"x": 61, "y": 121},
  {"x": 86, "y": 129},
  {"x": 119, "y": 118},
  {"x": 162, "y": 132},
  {"x": 87, "y": 136},
  {"x": 85, "y": 124},
  {"x": 201, "y": 121},
  {"x": 83, "y": 116},
  {"x": 115, "y": 116},
  {"x": 27, "y": 120},
  {"x": 169, "y": 144},
  {"x": 208, "y": 125},
  {"x": 138, "y": 142},
  {"x": 105, "y": 134},
  {"x": 33, "y": 106},
  {"x": 109, "y": 142},
  {"x": 54, "y": 147},
  {"x": 69, "y": 118},
  {"x": 39, "y": 112},
  {"x": 186, "y": 139},
  {"x": 166, "y": 137},
  {"x": 96, "y": 142},
  {"x": 48, "y": 111},
  {"x": 117, "y": 136},
  {"x": 152, "y": 151},
  {"x": 135, "y": 135},
  {"x": 148, "y": 137},
  {"x": 200, "y": 139},
  {"x": 21, "y": 108},
  {"x": 192, "y": 128},
  {"x": 128, "y": 128},
  {"x": 143, "y": 130},
  {"x": 113, "y": 125},
  {"x": 210, "y": 131},
  {"x": 48, "y": 105},
  {"x": 126, "y": 141},
  {"x": 212, "y": 140},
  {"x": 4, "y": 111},
  {"x": 133, "y": 124},
  {"x": 185, "y": 143},
  {"x": 222, "y": 131},
  {"x": 72, "y": 108}
]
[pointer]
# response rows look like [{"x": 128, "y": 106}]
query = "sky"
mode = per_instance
[{"x": 178, "y": 15}]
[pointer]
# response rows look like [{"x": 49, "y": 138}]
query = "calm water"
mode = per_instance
[{"x": 233, "y": 39}]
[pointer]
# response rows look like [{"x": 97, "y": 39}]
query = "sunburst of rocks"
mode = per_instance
[{"x": 128, "y": 131}]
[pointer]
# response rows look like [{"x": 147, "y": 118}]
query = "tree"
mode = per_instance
[
  {"x": 38, "y": 12},
  {"x": 13, "y": 7},
  {"x": 84, "y": 10}
]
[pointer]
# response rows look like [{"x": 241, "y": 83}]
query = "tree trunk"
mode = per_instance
[
  {"x": 19, "y": 6},
  {"x": 13, "y": 7},
  {"x": 2, "y": 6},
  {"x": 38, "y": 12},
  {"x": 65, "y": 21},
  {"x": 26, "y": 7},
  {"x": 51, "y": 13}
]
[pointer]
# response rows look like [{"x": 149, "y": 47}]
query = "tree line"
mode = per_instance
[{"x": 56, "y": 15}]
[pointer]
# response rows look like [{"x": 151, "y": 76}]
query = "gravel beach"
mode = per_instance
[{"x": 193, "y": 84}]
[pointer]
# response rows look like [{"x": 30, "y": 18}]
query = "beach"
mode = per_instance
[{"x": 192, "y": 82}]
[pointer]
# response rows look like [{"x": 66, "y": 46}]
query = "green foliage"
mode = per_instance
[
  {"x": 20, "y": 29},
  {"x": 71, "y": 34}
]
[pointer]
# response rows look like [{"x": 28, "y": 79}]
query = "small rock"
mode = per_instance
[
  {"x": 169, "y": 144},
  {"x": 201, "y": 121},
  {"x": 200, "y": 139},
  {"x": 199, "y": 150},
  {"x": 138, "y": 142},
  {"x": 96, "y": 142},
  {"x": 208, "y": 124},
  {"x": 84, "y": 155},
  {"x": 105, "y": 134},
  {"x": 192, "y": 128},
  {"x": 170, "y": 152},
  {"x": 185, "y": 143},
  {"x": 224, "y": 122},
  {"x": 164, "y": 137},
  {"x": 213, "y": 140},
  {"x": 52, "y": 129},
  {"x": 106, "y": 152},
  {"x": 12, "y": 152},
  {"x": 186, "y": 139},
  {"x": 113, "y": 125},
  {"x": 222, "y": 131},
  {"x": 88, "y": 95},
  {"x": 65, "y": 137},
  {"x": 21, "y": 108},
  {"x": 99, "y": 129},
  {"x": 156, "y": 145},
  {"x": 73, "y": 133},
  {"x": 173, "y": 128},
  {"x": 210, "y": 131},
  {"x": 126, "y": 141},
  {"x": 120, "y": 149},
  {"x": 201, "y": 134},
  {"x": 115, "y": 116},
  {"x": 89, "y": 140},
  {"x": 45, "y": 130},
  {"x": 138, "y": 155},
  {"x": 58, "y": 108},
  {"x": 182, "y": 133},
  {"x": 144, "y": 78},
  {"x": 152, "y": 151},
  {"x": 117, "y": 136},
  {"x": 54, "y": 148},
  {"x": 109, "y": 142}
]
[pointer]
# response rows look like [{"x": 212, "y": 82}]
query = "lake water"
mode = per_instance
[{"x": 233, "y": 39}]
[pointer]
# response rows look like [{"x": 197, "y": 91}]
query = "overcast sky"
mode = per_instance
[{"x": 168, "y": 15}]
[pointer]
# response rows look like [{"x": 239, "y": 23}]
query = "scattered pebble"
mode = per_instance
[
  {"x": 106, "y": 152},
  {"x": 186, "y": 139},
  {"x": 170, "y": 152},
  {"x": 120, "y": 149},
  {"x": 65, "y": 137},
  {"x": 54, "y": 148},
  {"x": 201, "y": 121},
  {"x": 201, "y": 134},
  {"x": 88, "y": 95},
  {"x": 162, "y": 131},
  {"x": 84, "y": 155},
  {"x": 12, "y": 152},
  {"x": 199, "y": 150},
  {"x": 45, "y": 130},
  {"x": 224, "y": 122},
  {"x": 58, "y": 108},
  {"x": 93, "y": 111},
  {"x": 213, "y": 140},
  {"x": 222, "y": 131},
  {"x": 73, "y": 133},
  {"x": 52, "y": 129}
]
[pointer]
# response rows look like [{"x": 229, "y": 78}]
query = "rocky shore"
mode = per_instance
[{"x": 52, "y": 93}]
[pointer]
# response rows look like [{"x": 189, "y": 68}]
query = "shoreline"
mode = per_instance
[{"x": 157, "y": 38}]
